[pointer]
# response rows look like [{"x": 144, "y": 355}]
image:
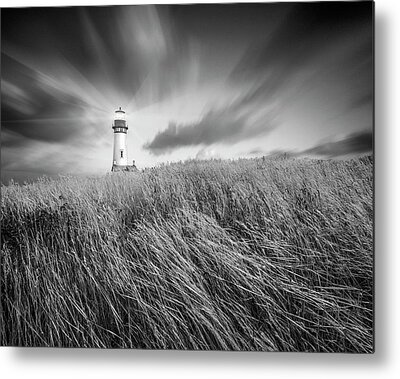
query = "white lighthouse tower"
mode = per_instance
[{"x": 120, "y": 154}]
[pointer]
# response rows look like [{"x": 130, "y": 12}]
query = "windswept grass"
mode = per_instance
[{"x": 272, "y": 255}]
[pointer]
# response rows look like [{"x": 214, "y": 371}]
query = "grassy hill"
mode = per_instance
[{"x": 245, "y": 255}]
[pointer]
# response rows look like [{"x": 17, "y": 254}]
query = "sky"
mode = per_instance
[{"x": 197, "y": 82}]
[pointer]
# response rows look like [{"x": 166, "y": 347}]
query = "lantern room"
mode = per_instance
[{"x": 119, "y": 125}]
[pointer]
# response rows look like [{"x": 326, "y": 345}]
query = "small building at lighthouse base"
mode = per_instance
[{"x": 124, "y": 168}]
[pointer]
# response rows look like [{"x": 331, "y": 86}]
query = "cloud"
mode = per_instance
[
  {"x": 355, "y": 143},
  {"x": 358, "y": 143},
  {"x": 225, "y": 126},
  {"x": 17, "y": 98},
  {"x": 32, "y": 110},
  {"x": 314, "y": 43},
  {"x": 256, "y": 151},
  {"x": 48, "y": 130},
  {"x": 33, "y": 159},
  {"x": 363, "y": 100},
  {"x": 306, "y": 31},
  {"x": 48, "y": 108}
]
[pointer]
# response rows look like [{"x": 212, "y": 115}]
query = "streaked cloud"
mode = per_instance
[
  {"x": 353, "y": 144},
  {"x": 224, "y": 126},
  {"x": 356, "y": 143}
]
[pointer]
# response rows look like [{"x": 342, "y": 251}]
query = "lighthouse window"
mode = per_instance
[
  {"x": 122, "y": 153},
  {"x": 120, "y": 130}
]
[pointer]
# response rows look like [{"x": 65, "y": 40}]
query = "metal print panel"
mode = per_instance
[{"x": 188, "y": 177}]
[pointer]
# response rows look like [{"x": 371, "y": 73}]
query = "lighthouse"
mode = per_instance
[{"x": 120, "y": 153}]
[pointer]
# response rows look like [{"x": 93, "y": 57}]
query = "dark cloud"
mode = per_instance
[
  {"x": 256, "y": 151},
  {"x": 356, "y": 143},
  {"x": 33, "y": 159},
  {"x": 21, "y": 176},
  {"x": 365, "y": 99},
  {"x": 34, "y": 110},
  {"x": 305, "y": 32},
  {"x": 298, "y": 45},
  {"x": 12, "y": 140},
  {"x": 46, "y": 130},
  {"x": 225, "y": 126}
]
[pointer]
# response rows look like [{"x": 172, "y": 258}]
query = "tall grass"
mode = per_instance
[{"x": 272, "y": 255}]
